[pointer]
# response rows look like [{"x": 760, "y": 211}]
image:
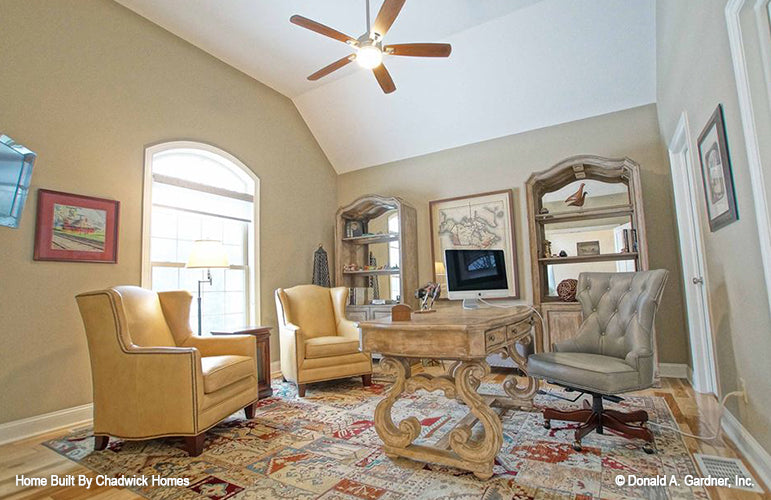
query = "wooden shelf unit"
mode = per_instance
[
  {"x": 562, "y": 319},
  {"x": 355, "y": 250}
]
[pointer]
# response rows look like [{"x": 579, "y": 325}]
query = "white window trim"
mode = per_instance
[{"x": 253, "y": 288}]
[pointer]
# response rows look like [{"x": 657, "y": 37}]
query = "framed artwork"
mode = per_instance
[
  {"x": 479, "y": 221},
  {"x": 76, "y": 228},
  {"x": 585, "y": 248},
  {"x": 716, "y": 173}
]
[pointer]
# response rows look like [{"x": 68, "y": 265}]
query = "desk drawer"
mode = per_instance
[
  {"x": 495, "y": 337},
  {"x": 518, "y": 329}
]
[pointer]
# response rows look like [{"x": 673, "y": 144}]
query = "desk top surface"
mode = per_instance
[{"x": 452, "y": 316}]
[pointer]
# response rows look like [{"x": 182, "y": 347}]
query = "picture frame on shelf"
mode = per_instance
[
  {"x": 353, "y": 229},
  {"x": 477, "y": 221},
  {"x": 585, "y": 248},
  {"x": 717, "y": 174},
  {"x": 76, "y": 228}
]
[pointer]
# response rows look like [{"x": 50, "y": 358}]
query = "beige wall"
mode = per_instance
[
  {"x": 695, "y": 73},
  {"x": 508, "y": 162},
  {"x": 88, "y": 85}
]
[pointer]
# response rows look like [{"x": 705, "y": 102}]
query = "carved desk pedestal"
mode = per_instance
[{"x": 467, "y": 338}]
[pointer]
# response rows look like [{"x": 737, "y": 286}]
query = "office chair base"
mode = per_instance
[{"x": 596, "y": 418}]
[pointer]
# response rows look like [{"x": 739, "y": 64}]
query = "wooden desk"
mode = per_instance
[
  {"x": 467, "y": 337},
  {"x": 262, "y": 335}
]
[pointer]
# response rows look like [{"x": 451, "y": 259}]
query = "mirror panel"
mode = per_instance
[{"x": 386, "y": 286}]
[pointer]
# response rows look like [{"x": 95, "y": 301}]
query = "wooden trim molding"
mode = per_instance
[
  {"x": 41, "y": 424},
  {"x": 760, "y": 197}
]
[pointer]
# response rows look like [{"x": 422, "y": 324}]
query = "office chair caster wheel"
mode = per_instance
[
  {"x": 547, "y": 424},
  {"x": 648, "y": 448},
  {"x": 577, "y": 446}
]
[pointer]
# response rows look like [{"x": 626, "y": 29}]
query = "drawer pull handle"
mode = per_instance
[{"x": 491, "y": 338}]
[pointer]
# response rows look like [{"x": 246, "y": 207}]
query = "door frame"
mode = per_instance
[{"x": 685, "y": 188}]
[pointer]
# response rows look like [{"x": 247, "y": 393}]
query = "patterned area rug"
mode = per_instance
[{"x": 325, "y": 446}]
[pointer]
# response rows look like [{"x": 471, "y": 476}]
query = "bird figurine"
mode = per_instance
[{"x": 578, "y": 198}]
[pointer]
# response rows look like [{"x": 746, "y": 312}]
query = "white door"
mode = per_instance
[{"x": 692, "y": 255}]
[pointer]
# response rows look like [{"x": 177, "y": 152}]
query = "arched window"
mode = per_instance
[{"x": 194, "y": 191}]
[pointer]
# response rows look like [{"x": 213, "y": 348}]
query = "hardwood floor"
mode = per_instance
[{"x": 695, "y": 413}]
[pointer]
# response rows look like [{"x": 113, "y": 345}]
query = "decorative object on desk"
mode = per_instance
[
  {"x": 76, "y": 228},
  {"x": 547, "y": 248},
  {"x": 16, "y": 163},
  {"x": 479, "y": 221},
  {"x": 578, "y": 198},
  {"x": 320, "y": 267},
  {"x": 427, "y": 295},
  {"x": 353, "y": 229},
  {"x": 401, "y": 312},
  {"x": 566, "y": 290},
  {"x": 563, "y": 253},
  {"x": 584, "y": 248},
  {"x": 717, "y": 173},
  {"x": 206, "y": 254}
]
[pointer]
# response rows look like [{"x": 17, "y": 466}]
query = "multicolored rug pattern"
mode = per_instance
[{"x": 325, "y": 446}]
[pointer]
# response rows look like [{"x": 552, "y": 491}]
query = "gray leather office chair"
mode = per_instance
[{"x": 611, "y": 354}]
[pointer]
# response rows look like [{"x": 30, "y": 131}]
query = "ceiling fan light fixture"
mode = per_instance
[{"x": 369, "y": 56}]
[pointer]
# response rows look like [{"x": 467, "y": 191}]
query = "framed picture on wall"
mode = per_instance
[
  {"x": 479, "y": 221},
  {"x": 717, "y": 173},
  {"x": 76, "y": 228}
]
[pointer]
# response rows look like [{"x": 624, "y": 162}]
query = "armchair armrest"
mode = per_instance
[
  {"x": 347, "y": 328},
  {"x": 238, "y": 345},
  {"x": 292, "y": 344}
]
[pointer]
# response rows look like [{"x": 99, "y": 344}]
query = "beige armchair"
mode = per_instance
[
  {"x": 317, "y": 342},
  {"x": 612, "y": 352},
  {"x": 151, "y": 377}
]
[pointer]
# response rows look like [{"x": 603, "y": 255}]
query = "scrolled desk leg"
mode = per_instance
[
  {"x": 408, "y": 429},
  {"x": 510, "y": 386},
  {"x": 479, "y": 453}
]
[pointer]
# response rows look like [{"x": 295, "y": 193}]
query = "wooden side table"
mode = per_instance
[{"x": 262, "y": 335}]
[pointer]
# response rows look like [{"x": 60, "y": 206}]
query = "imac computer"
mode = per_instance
[{"x": 474, "y": 275}]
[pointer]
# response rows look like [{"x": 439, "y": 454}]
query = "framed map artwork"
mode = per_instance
[{"x": 480, "y": 221}]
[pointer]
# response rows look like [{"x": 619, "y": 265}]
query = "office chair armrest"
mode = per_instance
[
  {"x": 633, "y": 358},
  {"x": 569, "y": 345}
]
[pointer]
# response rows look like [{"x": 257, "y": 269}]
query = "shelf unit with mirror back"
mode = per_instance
[
  {"x": 376, "y": 255},
  {"x": 603, "y": 230}
]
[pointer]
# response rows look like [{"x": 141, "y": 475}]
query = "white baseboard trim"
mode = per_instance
[
  {"x": 42, "y": 424},
  {"x": 673, "y": 370},
  {"x": 750, "y": 449}
]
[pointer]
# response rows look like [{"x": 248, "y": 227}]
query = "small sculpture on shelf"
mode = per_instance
[
  {"x": 578, "y": 198},
  {"x": 563, "y": 253},
  {"x": 547, "y": 248},
  {"x": 427, "y": 295}
]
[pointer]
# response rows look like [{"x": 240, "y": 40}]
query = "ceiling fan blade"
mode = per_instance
[
  {"x": 419, "y": 49},
  {"x": 320, "y": 28},
  {"x": 387, "y": 15},
  {"x": 384, "y": 79},
  {"x": 332, "y": 67}
]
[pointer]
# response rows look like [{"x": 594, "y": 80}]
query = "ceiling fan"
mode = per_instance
[{"x": 369, "y": 46}]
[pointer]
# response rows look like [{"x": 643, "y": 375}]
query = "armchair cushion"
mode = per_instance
[
  {"x": 593, "y": 372},
  {"x": 323, "y": 347},
  {"x": 221, "y": 371}
]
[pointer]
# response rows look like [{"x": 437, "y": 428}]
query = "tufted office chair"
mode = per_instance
[
  {"x": 612, "y": 352},
  {"x": 317, "y": 342},
  {"x": 152, "y": 377}
]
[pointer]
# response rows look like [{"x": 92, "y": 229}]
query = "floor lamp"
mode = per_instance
[{"x": 206, "y": 254}]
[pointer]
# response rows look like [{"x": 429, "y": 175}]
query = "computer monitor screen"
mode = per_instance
[{"x": 476, "y": 273}]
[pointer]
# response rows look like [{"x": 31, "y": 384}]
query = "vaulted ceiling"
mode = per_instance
[{"x": 516, "y": 65}]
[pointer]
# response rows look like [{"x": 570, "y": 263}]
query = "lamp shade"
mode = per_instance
[{"x": 207, "y": 253}]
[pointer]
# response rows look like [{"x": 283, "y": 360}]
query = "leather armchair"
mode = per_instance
[
  {"x": 612, "y": 352},
  {"x": 152, "y": 377},
  {"x": 317, "y": 342}
]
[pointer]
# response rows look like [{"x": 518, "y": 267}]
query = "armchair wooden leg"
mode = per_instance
[
  {"x": 249, "y": 411},
  {"x": 194, "y": 444},
  {"x": 366, "y": 380},
  {"x": 301, "y": 390},
  {"x": 100, "y": 442}
]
